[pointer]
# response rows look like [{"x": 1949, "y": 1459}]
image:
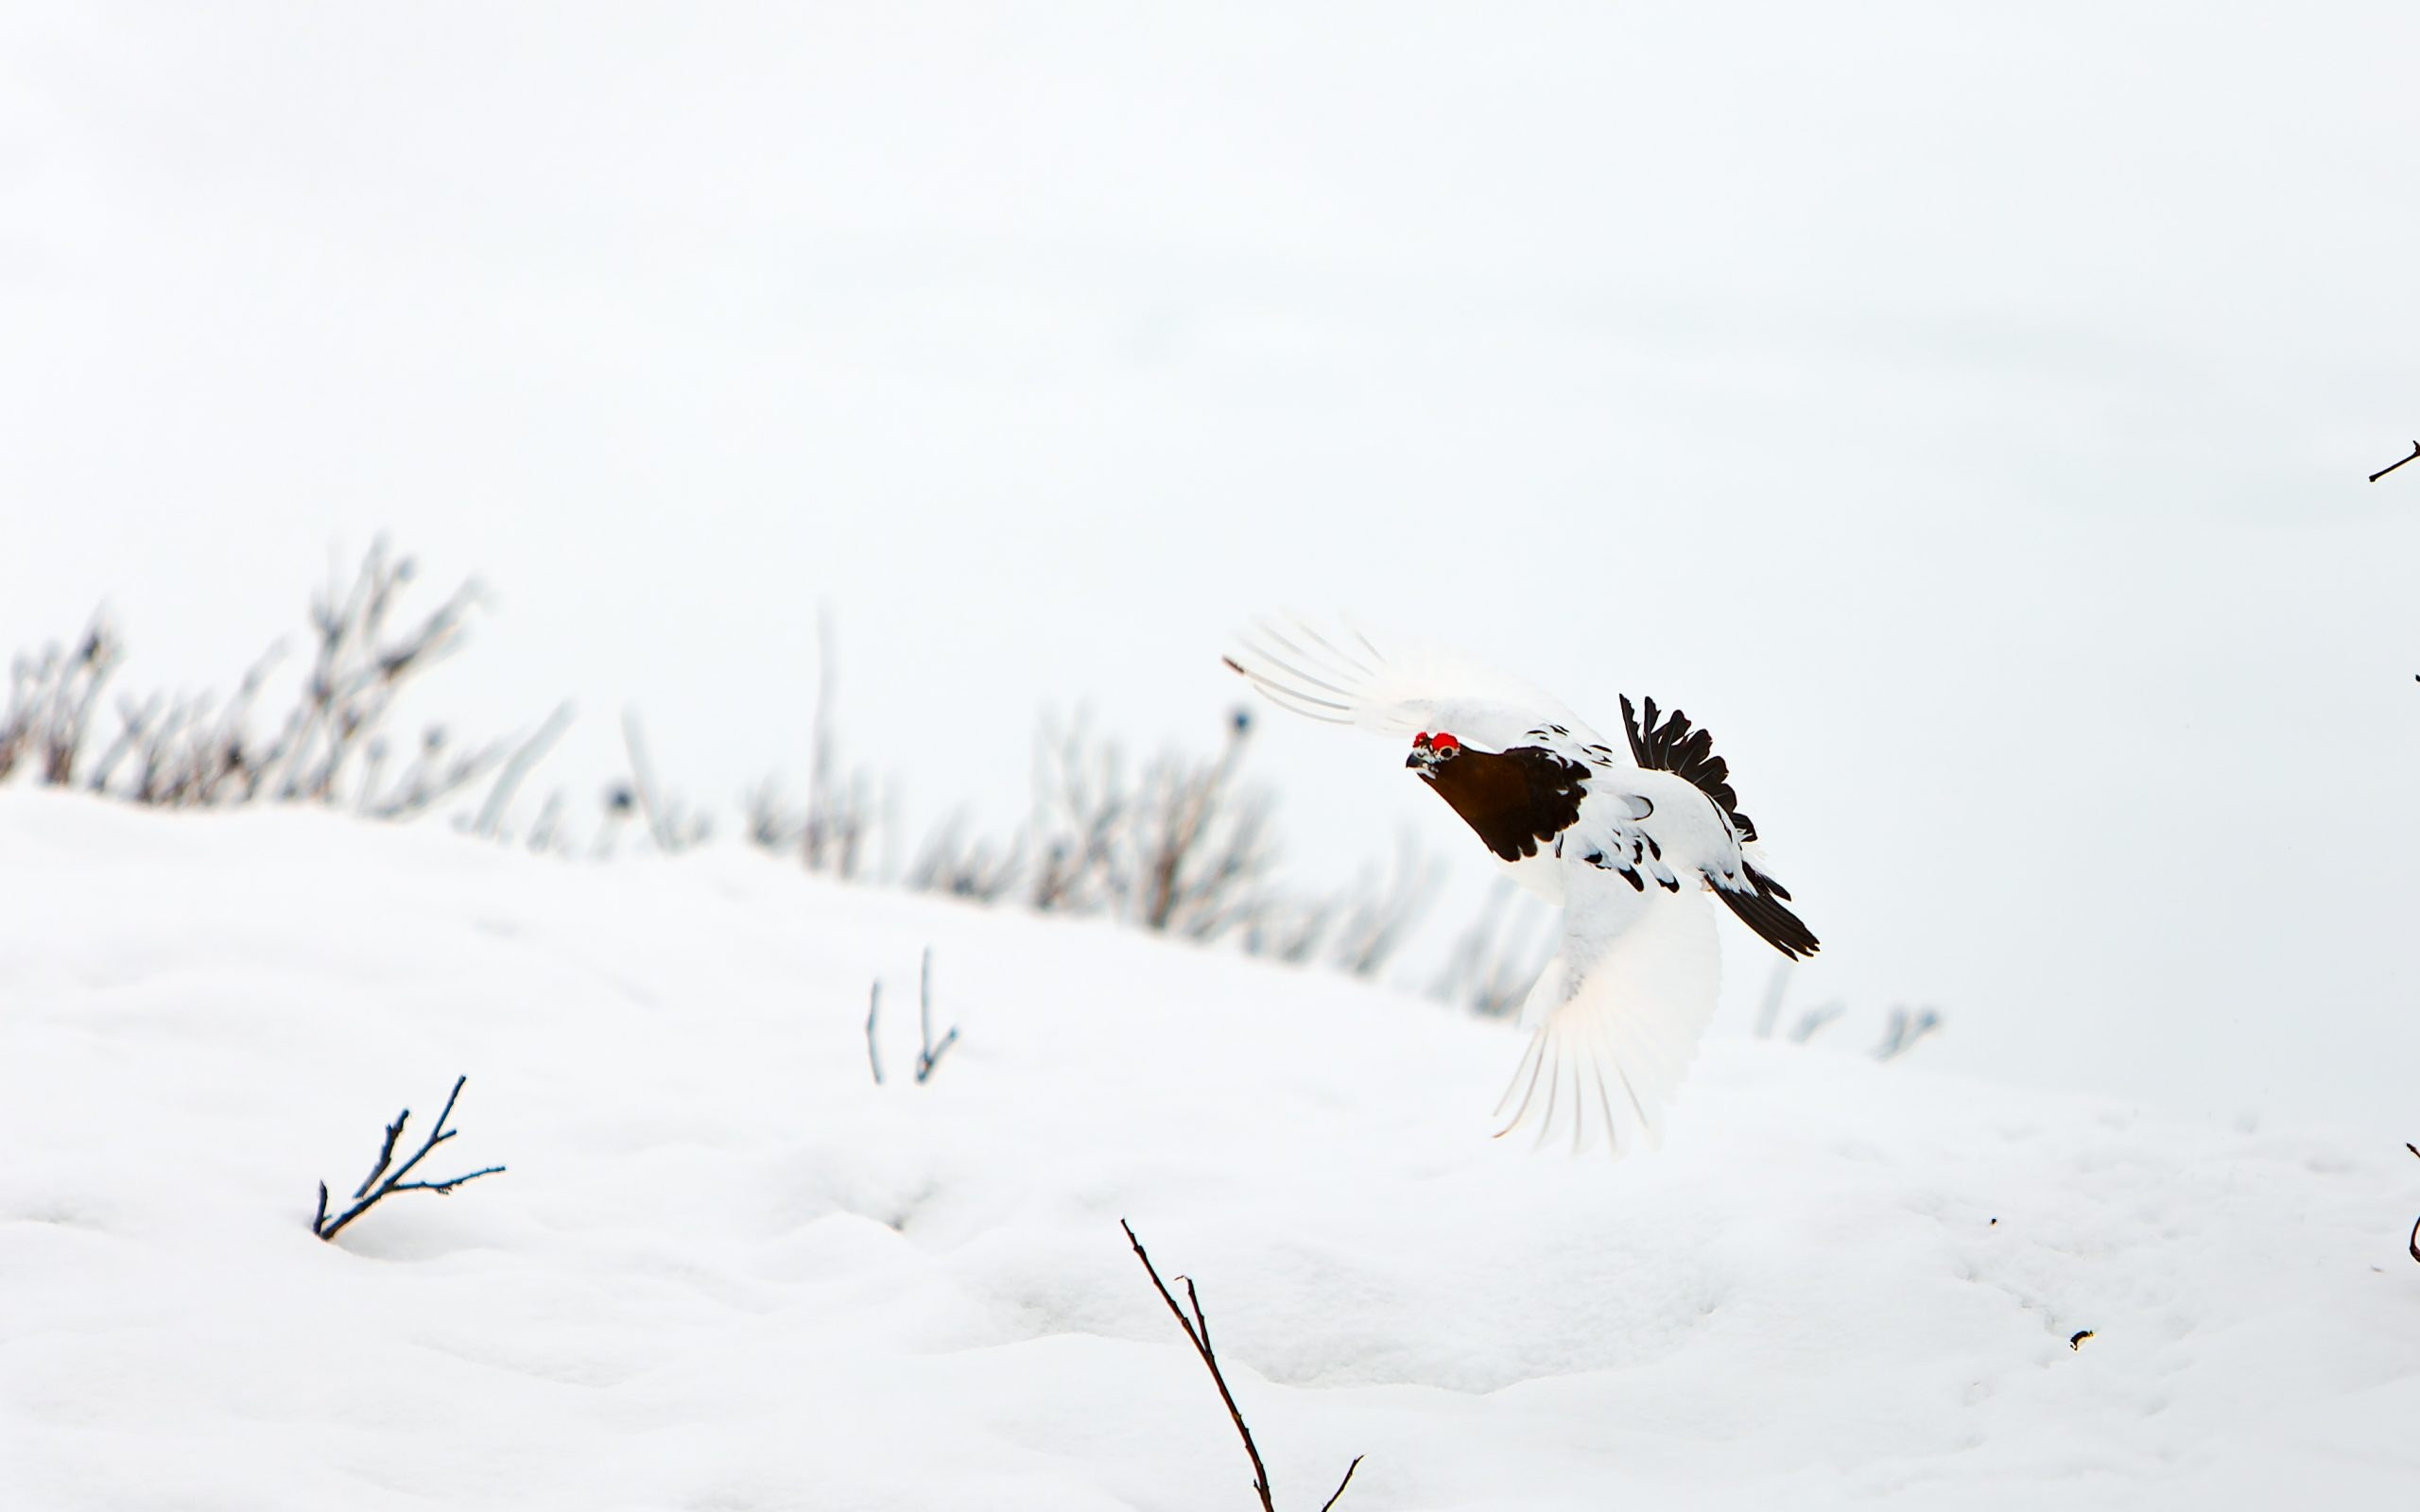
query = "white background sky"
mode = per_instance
[{"x": 1961, "y": 410}]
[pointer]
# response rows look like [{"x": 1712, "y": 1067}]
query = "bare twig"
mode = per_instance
[
  {"x": 930, "y": 1055},
  {"x": 1341, "y": 1484},
  {"x": 2415, "y": 1223},
  {"x": 1769, "y": 1011},
  {"x": 357, "y": 671},
  {"x": 955, "y": 862},
  {"x": 1904, "y": 1030},
  {"x": 373, "y": 1187},
  {"x": 1197, "y": 1329},
  {"x": 51, "y": 700},
  {"x": 490, "y": 817},
  {"x": 2384, "y": 470},
  {"x": 643, "y": 784},
  {"x": 929, "y": 1052},
  {"x": 873, "y": 1012}
]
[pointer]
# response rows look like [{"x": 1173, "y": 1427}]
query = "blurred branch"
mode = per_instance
[
  {"x": 669, "y": 825},
  {"x": 929, "y": 1052},
  {"x": 930, "y": 1055},
  {"x": 1379, "y": 915},
  {"x": 194, "y": 750},
  {"x": 1906, "y": 1028},
  {"x": 642, "y": 782},
  {"x": 873, "y": 1016},
  {"x": 51, "y": 700},
  {"x": 1496, "y": 957},
  {"x": 976, "y": 868},
  {"x": 358, "y": 670},
  {"x": 1777, "y": 989},
  {"x": 489, "y": 823}
]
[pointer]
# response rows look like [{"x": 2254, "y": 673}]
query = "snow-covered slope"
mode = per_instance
[{"x": 725, "y": 1270}]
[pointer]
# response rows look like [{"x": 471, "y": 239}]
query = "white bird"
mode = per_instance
[{"x": 1627, "y": 839}]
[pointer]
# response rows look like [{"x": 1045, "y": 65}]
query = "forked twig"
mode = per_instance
[
  {"x": 366, "y": 1196},
  {"x": 1197, "y": 1329},
  {"x": 930, "y": 1052},
  {"x": 930, "y": 1055}
]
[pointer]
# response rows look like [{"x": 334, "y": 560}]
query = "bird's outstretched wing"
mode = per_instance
[
  {"x": 1394, "y": 685},
  {"x": 1616, "y": 1014}
]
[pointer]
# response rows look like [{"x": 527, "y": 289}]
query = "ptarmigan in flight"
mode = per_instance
[{"x": 1627, "y": 838}]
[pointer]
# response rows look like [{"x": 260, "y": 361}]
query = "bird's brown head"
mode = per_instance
[{"x": 1428, "y": 752}]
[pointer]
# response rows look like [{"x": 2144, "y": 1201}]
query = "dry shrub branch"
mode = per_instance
[
  {"x": 385, "y": 1178},
  {"x": 331, "y": 747},
  {"x": 1196, "y": 1331}
]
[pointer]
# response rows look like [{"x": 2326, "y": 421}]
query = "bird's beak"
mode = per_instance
[{"x": 1411, "y": 761}]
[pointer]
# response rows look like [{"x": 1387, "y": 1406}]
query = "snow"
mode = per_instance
[{"x": 725, "y": 1270}]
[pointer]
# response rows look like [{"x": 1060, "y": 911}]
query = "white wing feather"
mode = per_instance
[
  {"x": 1393, "y": 684},
  {"x": 1617, "y": 1013}
]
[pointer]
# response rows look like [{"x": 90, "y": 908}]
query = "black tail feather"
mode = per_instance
[{"x": 1764, "y": 912}]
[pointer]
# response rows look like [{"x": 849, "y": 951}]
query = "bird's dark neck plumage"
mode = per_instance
[{"x": 1512, "y": 800}]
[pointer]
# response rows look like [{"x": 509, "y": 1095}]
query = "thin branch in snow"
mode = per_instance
[
  {"x": 2415, "y": 1223},
  {"x": 2384, "y": 470},
  {"x": 488, "y": 825},
  {"x": 1777, "y": 989},
  {"x": 929, "y": 1052},
  {"x": 930, "y": 1055},
  {"x": 1197, "y": 1329},
  {"x": 874, "y": 1015},
  {"x": 1904, "y": 1030},
  {"x": 642, "y": 782},
  {"x": 668, "y": 823},
  {"x": 1813, "y": 1020},
  {"x": 372, "y": 1187}
]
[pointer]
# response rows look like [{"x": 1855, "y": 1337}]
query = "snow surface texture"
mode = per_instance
[{"x": 724, "y": 1270}]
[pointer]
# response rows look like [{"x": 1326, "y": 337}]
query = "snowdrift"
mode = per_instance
[{"x": 723, "y": 1269}]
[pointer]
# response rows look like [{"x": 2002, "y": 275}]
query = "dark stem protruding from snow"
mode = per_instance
[
  {"x": 2414, "y": 1150},
  {"x": 1197, "y": 1329},
  {"x": 1341, "y": 1484},
  {"x": 373, "y": 1187},
  {"x": 930, "y": 1055},
  {"x": 2384, "y": 470},
  {"x": 873, "y": 1016}
]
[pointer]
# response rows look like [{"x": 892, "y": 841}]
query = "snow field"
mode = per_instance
[{"x": 724, "y": 1270}]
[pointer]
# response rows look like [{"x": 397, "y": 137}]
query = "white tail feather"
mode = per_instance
[{"x": 1617, "y": 1027}]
